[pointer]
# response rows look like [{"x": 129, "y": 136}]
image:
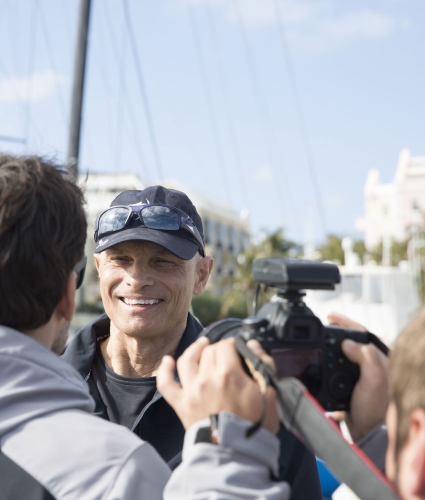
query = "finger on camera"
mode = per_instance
[
  {"x": 166, "y": 384},
  {"x": 226, "y": 358},
  {"x": 363, "y": 354},
  {"x": 338, "y": 319},
  {"x": 258, "y": 350},
  {"x": 271, "y": 420},
  {"x": 188, "y": 362}
]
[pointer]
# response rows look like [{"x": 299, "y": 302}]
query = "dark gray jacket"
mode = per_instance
[{"x": 159, "y": 425}]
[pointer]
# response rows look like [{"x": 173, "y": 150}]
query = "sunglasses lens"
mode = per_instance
[
  {"x": 80, "y": 277},
  {"x": 80, "y": 269},
  {"x": 113, "y": 220},
  {"x": 157, "y": 217}
]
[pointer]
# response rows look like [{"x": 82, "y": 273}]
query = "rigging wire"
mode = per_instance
[
  {"x": 31, "y": 57},
  {"x": 209, "y": 101},
  {"x": 11, "y": 25},
  {"x": 66, "y": 18},
  {"x": 18, "y": 96},
  {"x": 106, "y": 86},
  {"x": 51, "y": 56},
  {"x": 16, "y": 140},
  {"x": 122, "y": 73},
  {"x": 130, "y": 109},
  {"x": 142, "y": 88},
  {"x": 268, "y": 132},
  {"x": 227, "y": 105},
  {"x": 297, "y": 101}
]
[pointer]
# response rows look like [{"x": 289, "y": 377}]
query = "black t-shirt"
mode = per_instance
[{"x": 124, "y": 397}]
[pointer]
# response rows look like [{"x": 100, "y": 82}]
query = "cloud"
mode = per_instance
[
  {"x": 314, "y": 25},
  {"x": 331, "y": 32},
  {"x": 36, "y": 87},
  {"x": 263, "y": 174},
  {"x": 262, "y": 12}
]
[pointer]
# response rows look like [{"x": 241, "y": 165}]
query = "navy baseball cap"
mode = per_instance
[{"x": 180, "y": 242}]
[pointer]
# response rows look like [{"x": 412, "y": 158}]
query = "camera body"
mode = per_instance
[{"x": 299, "y": 343}]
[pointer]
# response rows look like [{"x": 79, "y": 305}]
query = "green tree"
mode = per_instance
[
  {"x": 359, "y": 248},
  {"x": 206, "y": 307},
  {"x": 240, "y": 288},
  {"x": 398, "y": 252},
  {"x": 332, "y": 249},
  {"x": 376, "y": 253}
]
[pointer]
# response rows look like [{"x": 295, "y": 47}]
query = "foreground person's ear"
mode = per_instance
[
  {"x": 66, "y": 306},
  {"x": 411, "y": 460}
]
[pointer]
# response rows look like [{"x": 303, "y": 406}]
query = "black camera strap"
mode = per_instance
[
  {"x": 373, "y": 339},
  {"x": 300, "y": 413}
]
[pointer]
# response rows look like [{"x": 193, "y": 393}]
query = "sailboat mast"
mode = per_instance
[{"x": 78, "y": 87}]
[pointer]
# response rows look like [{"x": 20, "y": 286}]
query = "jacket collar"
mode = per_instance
[{"x": 81, "y": 350}]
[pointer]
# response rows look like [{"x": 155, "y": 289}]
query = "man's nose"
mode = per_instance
[{"x": 140, "y": 276}]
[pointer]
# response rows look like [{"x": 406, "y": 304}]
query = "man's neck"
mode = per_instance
[{"x": 138, "y": 357}]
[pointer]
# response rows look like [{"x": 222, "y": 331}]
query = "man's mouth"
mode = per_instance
[{"x": 141, "y": 302}]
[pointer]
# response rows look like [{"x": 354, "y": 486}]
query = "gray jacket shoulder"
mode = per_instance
[{"x": 87, "y": 458}]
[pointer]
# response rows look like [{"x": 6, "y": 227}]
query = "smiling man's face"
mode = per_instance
[{"x": 146, "y": 290}]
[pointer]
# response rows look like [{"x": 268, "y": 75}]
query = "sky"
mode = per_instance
[{"x": 278, "y": 107}]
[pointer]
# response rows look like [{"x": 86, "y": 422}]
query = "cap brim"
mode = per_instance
[{"x": 172, "y": 241}]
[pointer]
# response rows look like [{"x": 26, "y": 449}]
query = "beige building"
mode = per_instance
[
  {"x": 226, "y": 232},
  {"x": 393, "y": 210}
]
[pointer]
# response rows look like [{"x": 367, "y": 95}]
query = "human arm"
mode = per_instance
[
  {"x": 238, "y": 467},
  {"x": 143, "y": 475}
]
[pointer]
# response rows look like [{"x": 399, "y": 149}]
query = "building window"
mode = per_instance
[
  {"x": 415, "y": 204},
  {"x": 209, "y": 232},
  {"x": 385, "y": 210},
  {"x": 218, "y": 241},
  {"x": 224, "y": 235},
  {"x": 232, "y": 240}
]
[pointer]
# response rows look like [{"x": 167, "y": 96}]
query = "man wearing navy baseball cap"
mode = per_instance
[{"x": 151, "y": 260}]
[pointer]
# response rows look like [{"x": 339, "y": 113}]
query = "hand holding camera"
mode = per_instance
[
  {"x": 198, "y": 395},
  {"x": 370, "y": 397}
]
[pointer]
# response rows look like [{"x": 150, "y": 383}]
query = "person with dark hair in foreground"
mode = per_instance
[{"x": 51, "y": 446}]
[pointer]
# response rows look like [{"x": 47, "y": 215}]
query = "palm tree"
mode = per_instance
[{"x": 240, "y": 287}]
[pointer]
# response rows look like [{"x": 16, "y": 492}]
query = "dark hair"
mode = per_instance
[{"x": 43, "y": 230}]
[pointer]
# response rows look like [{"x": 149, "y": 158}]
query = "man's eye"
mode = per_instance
[
  {"x": 120, "y": 259},
  {"x": 164, "y": 261}
]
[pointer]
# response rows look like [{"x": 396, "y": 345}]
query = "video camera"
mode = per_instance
[{"x": 299, "y": 343}]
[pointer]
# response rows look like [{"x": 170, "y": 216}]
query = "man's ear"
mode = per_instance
[
  {"x": 203, "y": 270},
  {"x": 66, "y": 306},
  {"x": 97, "y": 261},
  {"x": 411, "y": 464}
]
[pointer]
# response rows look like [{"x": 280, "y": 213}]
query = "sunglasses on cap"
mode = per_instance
[
  {"x": 152, "y": 216},
  {"x": 80, "y": 269}
]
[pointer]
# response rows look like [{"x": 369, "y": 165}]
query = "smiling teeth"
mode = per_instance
[{"x": 132, "y": 302}]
